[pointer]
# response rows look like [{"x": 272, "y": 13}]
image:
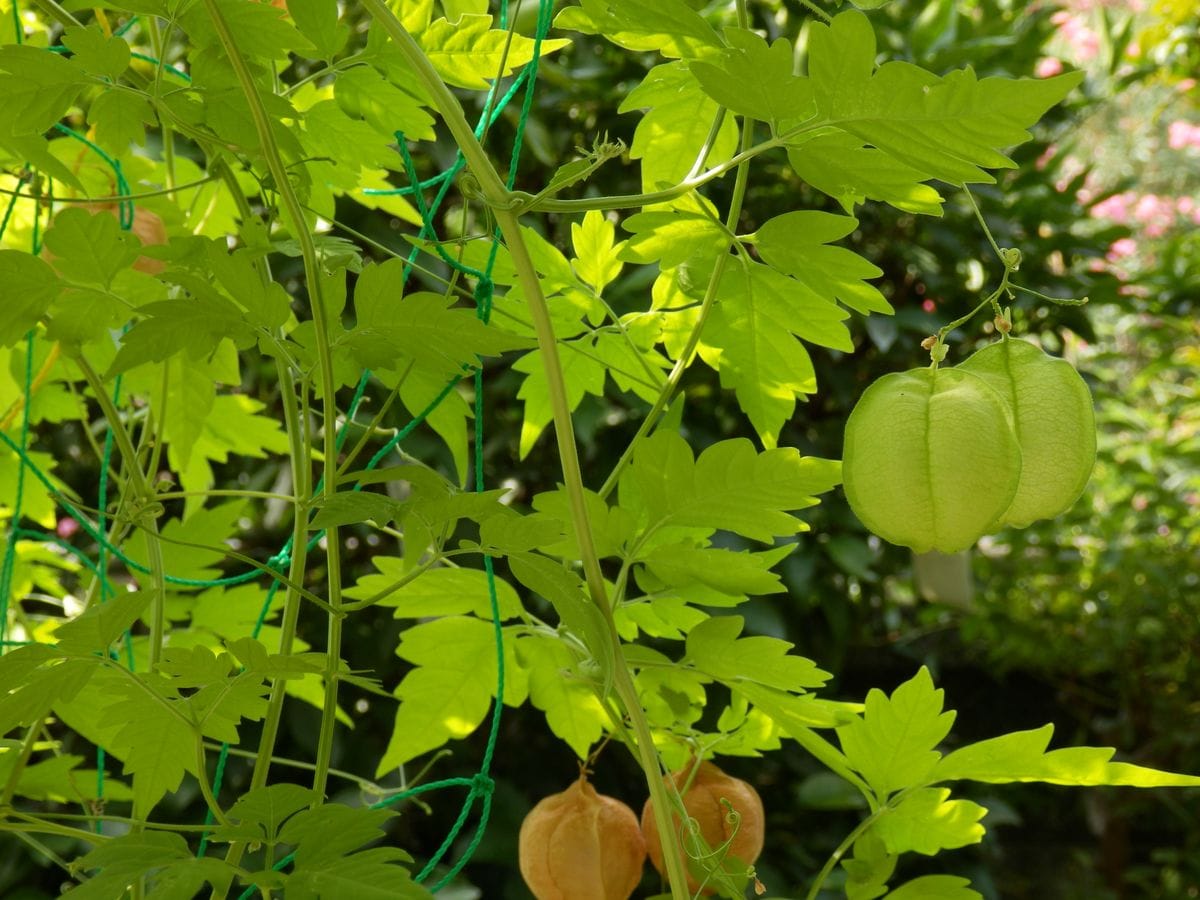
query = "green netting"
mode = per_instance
[{"x": 479, "y": 787}]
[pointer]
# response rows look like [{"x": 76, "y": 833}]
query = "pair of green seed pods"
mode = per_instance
[{"x": 936, "y": 458}]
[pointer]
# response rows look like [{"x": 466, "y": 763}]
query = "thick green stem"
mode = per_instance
[
  {"x": 295, "y": 421},
  {"x": 497, "y": 196},
  {"x": 294, "y": 213}
]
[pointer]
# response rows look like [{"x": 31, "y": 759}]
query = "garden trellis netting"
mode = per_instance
[
  {"x": 479, "y": 788},
  {"x": 145, "y": 574}
]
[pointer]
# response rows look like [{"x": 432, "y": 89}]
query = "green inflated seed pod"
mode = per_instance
[
  {"x": 930, "y": 459},
  {"x": 1054, "y": 422}
]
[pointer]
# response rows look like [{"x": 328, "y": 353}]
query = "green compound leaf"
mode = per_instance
[
  {"x": 39, "y": 154},
  {"x": 572, "y": 709},
  {"x": 438, "y": 592},
  {"x": 175, "y": 874},
  {"x": 1022, "y": 756},
  {"x": 670, "y": 236},
  {"x": 582, "y": 372},
  {"x": 38, "y": 88},
  {"x": 733, "y": 573},
  {"x": 422, "y": 327},
  {"x": 597, "y": 257},
  {"x": 266, "y": 306},
  {"x": 196, "y": 324},
  {"x": 754, "y": 342},
  {"x": 350, "y": 508},
  {"x": 191, "y": 393},
  {"x": 842, "y": 166},
  {"x": 798, "y": 243},
  {"x": 332, "y": 830},
  {"x": 370, "y": 875},
  {"x": 671, "y": 27},
  {"x": 469, "y": 52},
  {"x": 184, "y": 878},
  {"x": 730, "y": 487},
  {"x": 89, "y": 246},
  {"x": 714, "y": 648},
  {"x": 659, "y": 617},
  {"x": 354, "y": 144},
  {"x": 260, "y": 29},
  {"x": 154, "y": 739},
  {"x": 318, "y": 21},
  {"x": 564, "y": 590},
  {"x": 59, "y": 779},
  {"x": 120, "y": 120},
  {"x": 30, "y": 287},
  {"x": 869, "y": 869},
  {"x": 34, "y": 678},
  {"x": 233, "y": 426},
  {"x": 936, "y": 887},
  {"x": 678, "y": 117},
  {"x": 756, "y": 79},
  {"x": 948, "y": 128},
  {"x": 94, "y": 630},
  {"x": 208, "y": 526},
  {"x": 365, "y": 94},
  {"x": 892, "y": 745},
  {"x": 926, "y": 821},
  {"x": 449, "y": 692},
  {"x": 263, "y": 811},
  {"x": 95, "y": 52},
  {"x": 219, "y": 708}
]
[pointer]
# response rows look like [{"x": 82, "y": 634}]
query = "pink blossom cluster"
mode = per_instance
[
  {"x": 1154, "y": 213},
  {"x": 1083, "y": 40},
  {"x": 1183, "y": 135}
]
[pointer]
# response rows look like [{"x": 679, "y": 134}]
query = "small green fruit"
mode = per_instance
[
  {"x": 930, "y": 460},
  {"x": 1054, "y": 423}
]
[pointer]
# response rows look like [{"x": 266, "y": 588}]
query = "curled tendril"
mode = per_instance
[{"x": 468, "y": 186}]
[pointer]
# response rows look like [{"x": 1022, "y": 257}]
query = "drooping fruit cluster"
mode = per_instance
[
  {"x": 743, "y": 831},
  {"x": 580, "y": 845},
  {"x": 935, "y": 458}
]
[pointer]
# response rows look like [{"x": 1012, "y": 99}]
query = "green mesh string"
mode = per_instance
[{"x": 481, "y": 785}]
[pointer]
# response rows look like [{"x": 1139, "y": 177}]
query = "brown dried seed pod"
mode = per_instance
[
  {"x": 703, "y": 803},
  {"x": 580, "y": 845}
]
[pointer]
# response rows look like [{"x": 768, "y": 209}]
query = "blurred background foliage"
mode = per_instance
[{"x": 1091, "y": 621}]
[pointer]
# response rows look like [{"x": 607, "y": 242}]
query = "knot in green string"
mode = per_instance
[
  {"x": 280, "y": 561},
  {"x": 482, "y": 784}
]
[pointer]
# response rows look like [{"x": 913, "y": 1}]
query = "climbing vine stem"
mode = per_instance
[{"x": 492, "y": 190}]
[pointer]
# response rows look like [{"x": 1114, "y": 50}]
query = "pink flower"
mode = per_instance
[
  {"x": 1121, "y": 248},
  {"x": 1156, "y": 214},
  {"x": 66, "y": 527},
  {"x": 1147, "y": 208},
  {"x": 1114, "y": 208},
  {"x": 1084, "y": 42},
  {"x": 1047, "y": 67},
  {"x": 928, "y": 305},
  {"x": 1181, "y": 135}
]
